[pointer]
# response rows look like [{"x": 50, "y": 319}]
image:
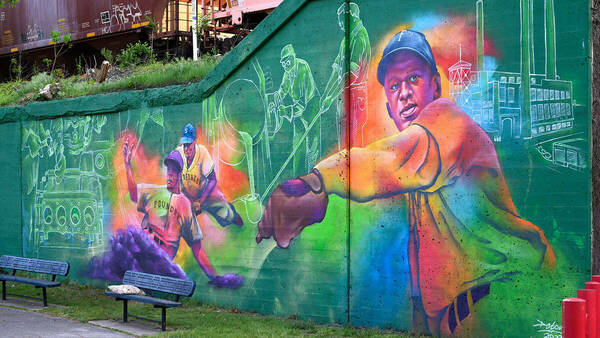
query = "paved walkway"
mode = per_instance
[{"x": 20, "y": 323}]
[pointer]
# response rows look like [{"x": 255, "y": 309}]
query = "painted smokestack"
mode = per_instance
[
  {"x": 550, "y": 28},
  {"x": 531, "y": 40},
  {"x": 483, "y": 79},
  {"x": 525, "y": 68},
  {"x": 480, "y": 43}
]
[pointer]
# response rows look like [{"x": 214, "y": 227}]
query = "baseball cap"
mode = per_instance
[
  {"x": 174, "y": 157},
  {"x": 188, "y": 134},
  {"x": 405, "y": 40}
]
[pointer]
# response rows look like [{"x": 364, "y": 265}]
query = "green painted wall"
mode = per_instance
[
  {"x": 467, "y": 214},
  {"x": 11, "y": 237}
]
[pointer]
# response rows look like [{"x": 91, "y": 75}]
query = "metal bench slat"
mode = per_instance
[
  {"x": 31, "y": 281},
  {"x": 34, "y": 265},
  {"x": 177, "y": 286},
  {"x": 145, "y": 299}
]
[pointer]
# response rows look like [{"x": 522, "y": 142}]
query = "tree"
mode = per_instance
[
  {"x": 10, "y": 3},
  {"x": 153, "y": 26},
  {"x": 58, "y": 51}
]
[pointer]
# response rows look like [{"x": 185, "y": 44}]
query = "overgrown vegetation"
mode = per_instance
[
  {"x": 135, "y": 54},
  {"x": 85, "y": 303},
  {"x": 10, "y": 3},
  {"x": 135, "y": 67}
]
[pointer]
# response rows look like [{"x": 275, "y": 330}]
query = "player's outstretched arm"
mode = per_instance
[
  {"x": 393, "y": 165},
  {"x": 127, "y": 153}
]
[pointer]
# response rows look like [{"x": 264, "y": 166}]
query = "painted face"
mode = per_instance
[
  {"x": 189, "y": 149},
  {"x": 287, "y": 63},
  {"x": 409, "y": 87},
  {"x": 173, "y": 176}
]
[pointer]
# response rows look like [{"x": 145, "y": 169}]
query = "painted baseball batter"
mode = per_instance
[{"x": 466, "y": 236}]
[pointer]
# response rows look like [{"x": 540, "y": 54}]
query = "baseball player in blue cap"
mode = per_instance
[
  {"x": 466, "y": 237},
  {"x": 199, "y": 181},
  {"x": 168, "y": 215}
]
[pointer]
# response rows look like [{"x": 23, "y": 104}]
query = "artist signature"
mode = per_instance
[{"x": 550, "y": 330}]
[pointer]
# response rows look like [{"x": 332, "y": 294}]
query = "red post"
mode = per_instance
[
  {"x": 590, "y": 296},
  {"x": 596, "y": 286},
  {"x": 596, "y": 278},
  {"x": 573, "y": 324}
]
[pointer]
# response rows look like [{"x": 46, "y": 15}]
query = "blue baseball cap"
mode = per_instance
[
  {"x": 405, "y": 40},
  {"x": 175, "y": 158},
  {"x": 188, "y": 134}
]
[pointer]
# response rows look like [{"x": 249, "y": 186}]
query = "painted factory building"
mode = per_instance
[{"x": 495, "y": 99}]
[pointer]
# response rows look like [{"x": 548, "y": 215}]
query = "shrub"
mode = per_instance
[
  {"x": 108, "y": 55},
  {"x": 135, "y": 54}
]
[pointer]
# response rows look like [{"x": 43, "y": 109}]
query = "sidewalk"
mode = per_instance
[{"x": 20, "y": 323}]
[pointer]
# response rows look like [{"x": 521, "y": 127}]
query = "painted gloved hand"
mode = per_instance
[
  {"x": 228, "y": 280},
  {"x": 293, "y": 205}
]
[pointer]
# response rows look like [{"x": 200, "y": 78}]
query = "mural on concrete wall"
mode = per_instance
[
  {"x": 66, "y": 165},
  {"x": 425, "y": 171}
]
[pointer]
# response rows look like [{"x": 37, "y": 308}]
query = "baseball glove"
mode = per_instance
[{"x": 293, "y": 205}]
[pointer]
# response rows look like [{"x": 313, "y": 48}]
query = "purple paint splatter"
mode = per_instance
[
  {"x": 228, "y": 280},
  {"x": 132, "y": 249}
]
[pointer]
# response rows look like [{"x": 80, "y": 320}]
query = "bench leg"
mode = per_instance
[
  {"x": 163, "y": 324},
  {"x": 44, "y": 297},
  {"x": 3, "y": 290},
  {"x": 124, "y": 310}
]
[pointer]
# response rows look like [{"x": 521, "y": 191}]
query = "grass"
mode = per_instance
[
  {"x": 85, "y": 303},
  {"x": 13, "y": 92},
  {"x": 154, "y": 74}
]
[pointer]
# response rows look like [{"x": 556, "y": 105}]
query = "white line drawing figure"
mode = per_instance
[
  {"x": 359, "y": 49},
  {"x": 291, "y": 102}
]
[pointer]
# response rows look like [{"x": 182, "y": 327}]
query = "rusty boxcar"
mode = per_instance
[{"x": 26, "y": 28}]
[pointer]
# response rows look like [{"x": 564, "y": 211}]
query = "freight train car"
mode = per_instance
[
  {"x": 26, "y": 28},
  {"x": 235, "y": 18}
]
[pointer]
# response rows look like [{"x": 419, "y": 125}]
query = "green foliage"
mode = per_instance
[
  {"x": 10, "y": 3},
  {"x": 155, "y": 74},
  {"x": 202, "y": 25},
  {"x": 47, "y": 62},
  {"x": 78, "y": 65},
  {"x": 57, "y": 38},
  {"x": 107, "y": 55},
  {"x": 152, "y": 23},
  {"x": 135, "y": 54},
  {"x": 15, "y": 68},
  {"x": 58, "y": 73},
  {"x": 23, "y": 91}
]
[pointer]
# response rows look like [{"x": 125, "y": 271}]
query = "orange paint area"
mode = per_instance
[
  {"x": 375, "y": 122},
  {"x": 147, "y": 167}
]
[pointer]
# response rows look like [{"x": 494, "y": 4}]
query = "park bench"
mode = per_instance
[
  {"x": 40, "y": 266},
  {"x": 151, "y": 284}
]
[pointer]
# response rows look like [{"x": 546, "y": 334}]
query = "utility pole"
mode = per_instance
[{"x": 194, "y": 29}]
